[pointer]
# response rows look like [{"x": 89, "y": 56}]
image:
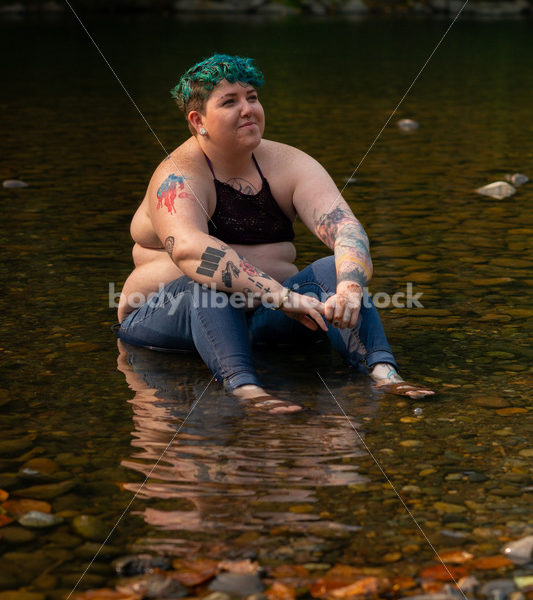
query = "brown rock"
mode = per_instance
[
  {"x": 490, "y": 402},
  {"x": 280, "y": 591},
  {"x": 17, "y": 508},
  {"x": 443, "y": 572},
  {"x": 486, "y": 563}
]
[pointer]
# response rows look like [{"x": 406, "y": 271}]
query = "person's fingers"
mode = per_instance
[
  {"x": 329, "y": 309},
  {"x": 317, "y": 318},
  {"x": 338, "y": 314},
  {"x": 345, "y": 319},
  {"x": 353, "y": 318},
  {"x": 309, "y": 323}
]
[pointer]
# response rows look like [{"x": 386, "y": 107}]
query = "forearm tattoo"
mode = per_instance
[
  {"x": 227, "y": 272},
  {"x": 210, "y": 261},
  {"x": 342, "y": 232}
]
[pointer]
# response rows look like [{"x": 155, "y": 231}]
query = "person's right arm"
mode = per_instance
[{"x": 179, "y": 214}]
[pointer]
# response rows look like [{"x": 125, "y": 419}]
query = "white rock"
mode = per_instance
[
  {"x": 520, "y": 551},
  {"x": 39, "y": 520},
  {"x": 407, "y": 124},
  {"x": 14, "y": 183},
  {"x": 517, "y": 179},
  {"x": 498, "y": 190}
]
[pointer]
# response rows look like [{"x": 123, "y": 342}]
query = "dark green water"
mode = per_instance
[{"x": 231, "y": 484}]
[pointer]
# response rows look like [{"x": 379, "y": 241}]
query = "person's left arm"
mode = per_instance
[{"x": 323, "y": 210}]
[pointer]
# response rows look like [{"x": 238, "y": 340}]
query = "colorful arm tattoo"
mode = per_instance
[
  {"x": 343, "y": 233},
  {"x": 210, "y": 263},
  {"x": 170, "y": 188}
]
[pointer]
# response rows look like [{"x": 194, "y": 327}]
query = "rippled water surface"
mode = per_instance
[{"x": 305, "y": 489}]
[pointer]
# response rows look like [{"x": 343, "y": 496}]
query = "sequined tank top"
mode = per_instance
[{"x": 248, "y": 218}]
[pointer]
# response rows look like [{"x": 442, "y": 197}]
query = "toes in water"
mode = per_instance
[
  {"x": 406, "y": 389},
  {"x": 272, "y": 405}
]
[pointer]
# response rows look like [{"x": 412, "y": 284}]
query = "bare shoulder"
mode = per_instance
[
  {"x": 286, "y": 160},
  {"x": 185, "y": 165}
]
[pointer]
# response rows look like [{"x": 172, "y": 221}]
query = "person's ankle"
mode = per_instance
[
  {"x": 385, "y": 372},
  {"x": 248, "y": 391}
]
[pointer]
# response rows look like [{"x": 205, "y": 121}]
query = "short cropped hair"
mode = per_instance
[{"x": 196, "y": 84}]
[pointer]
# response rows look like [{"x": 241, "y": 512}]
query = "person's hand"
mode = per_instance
[
  {"x": 342, "y": 309},
  {"x": 305, "y": 309}
]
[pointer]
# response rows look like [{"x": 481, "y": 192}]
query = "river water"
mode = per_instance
[{"x": 307, "y": 489}]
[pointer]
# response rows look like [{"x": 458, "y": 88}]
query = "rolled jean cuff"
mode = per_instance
[
  {"x": 380, "y": 356},
  {"x": 240, "y": 379}
]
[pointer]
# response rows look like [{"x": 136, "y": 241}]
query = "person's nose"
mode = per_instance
[{"x": 246, "y": 108}]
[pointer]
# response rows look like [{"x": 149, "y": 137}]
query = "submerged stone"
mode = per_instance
[
  {"x": 13, "y": 447},
  {"x": 39, "y": 520},
  {"x": 498, "y": 588},
  {"x": 490, "y": 402},
  {"x": 46, "y": 491},
  {"x": 41, "y": 465},
  {"x": 407, "y": 124},
  {"x": 90, "y": 550},
  {"x": 449, "y": 508},
  {"x": 519, "y": 551},
  {"x": 517, "y": 178},
  {"x": 235, "y": 583},
  {"x": 14, "y": 183},
  {"x": 90, "y": 528},
  {"x": 498, "y": 190},
  {"x": 13, "y": 534}
]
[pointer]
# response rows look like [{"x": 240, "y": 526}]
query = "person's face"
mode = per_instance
[{"x": 234, "y": 116}]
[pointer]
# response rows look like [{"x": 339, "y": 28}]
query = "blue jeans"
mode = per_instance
[{"x": 185, "y": 315}]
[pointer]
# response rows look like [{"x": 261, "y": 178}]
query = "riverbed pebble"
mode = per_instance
[
  {"x": 517, "y": 178},
  {"x": 520, "y": 551},
  {"x": 90, "y": 528},
  {"x": 407, "y": 124},
  {"x": 498, "y": 190},
  {"x": 14, "y": 183},
  {"x": 39, "y": 520},
  {"x": 13, "y": 534},
  {"x": 47, "y": 491},
  {"x": 236, "y": 583}
]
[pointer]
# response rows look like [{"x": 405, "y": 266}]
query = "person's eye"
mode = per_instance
[
  {"x": 229, "y": 101},
  {"x": 254, "y": 97}
]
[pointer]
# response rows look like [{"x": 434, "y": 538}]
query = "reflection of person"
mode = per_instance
[
  {"x": 226, "y": 194},
  {"x": 221, "y": 475}
]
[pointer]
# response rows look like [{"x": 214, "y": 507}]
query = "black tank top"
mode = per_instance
[{"x": 248, "y": 218}]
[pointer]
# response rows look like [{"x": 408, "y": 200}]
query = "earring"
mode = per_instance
[{"x": 202, "y": 131}]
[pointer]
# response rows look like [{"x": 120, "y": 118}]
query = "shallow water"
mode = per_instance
[{"x": 300, "y": 489}]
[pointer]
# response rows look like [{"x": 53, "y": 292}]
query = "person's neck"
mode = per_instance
[{"x": 229, "y": 163}]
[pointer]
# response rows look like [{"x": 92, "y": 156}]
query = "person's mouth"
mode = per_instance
[{"x": 247, "y": 124}]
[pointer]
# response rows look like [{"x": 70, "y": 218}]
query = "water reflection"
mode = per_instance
[{"x": 228, "y": 469}]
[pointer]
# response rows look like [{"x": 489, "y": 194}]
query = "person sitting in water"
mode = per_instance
[{"x": 214, "y": 246}]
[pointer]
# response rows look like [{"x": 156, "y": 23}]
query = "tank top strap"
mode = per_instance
[
  {"x": 258, "y": 168},
  {"x": 210, "y": 165}
]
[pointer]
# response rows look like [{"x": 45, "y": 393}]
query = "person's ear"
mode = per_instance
[{"x": 196, "y": 119}]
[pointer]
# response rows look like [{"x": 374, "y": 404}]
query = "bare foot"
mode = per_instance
[
  {"x": 256, "y": 398},
  {"x": 389, "y": 381},
  {"x": 402, "y": 388}
]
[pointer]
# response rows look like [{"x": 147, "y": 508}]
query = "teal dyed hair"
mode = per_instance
[{"x": 196, "y": 84}]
